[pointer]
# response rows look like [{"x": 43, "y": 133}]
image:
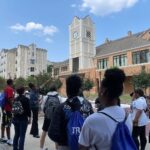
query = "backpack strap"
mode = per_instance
[
  {"x": 126, "y": 116},
  {"x": 108, "y": 116}
]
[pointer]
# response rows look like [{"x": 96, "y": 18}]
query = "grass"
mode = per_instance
[{"x": 125, "y": 98}]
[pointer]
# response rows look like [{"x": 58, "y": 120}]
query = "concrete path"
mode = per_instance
[
  {"x": 30, "y": 142},
  {"x": 34, "y": 144}
]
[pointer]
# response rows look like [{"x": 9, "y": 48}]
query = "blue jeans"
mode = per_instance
[{"x": 20, "y": 132}]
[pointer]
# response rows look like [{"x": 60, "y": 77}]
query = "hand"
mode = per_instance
[{"x": 135, "y": 123}]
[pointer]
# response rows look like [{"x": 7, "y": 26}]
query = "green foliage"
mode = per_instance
[
  {"x": 142, "y": 80},
  {"x": 49, "y": 69},
  {"x": 41, "y": 79},
  {"x": 31, "y": 79},
  {"x": 57, "y": 83},
  {"x": 20, "y": 82},
  {"x": 2, "y": 83},
  {"x": 87, "y": 84}
]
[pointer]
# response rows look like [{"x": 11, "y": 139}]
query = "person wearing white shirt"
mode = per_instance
[
  {"x": 98, "y": 128},
  {"x": 139, "y": 118}
]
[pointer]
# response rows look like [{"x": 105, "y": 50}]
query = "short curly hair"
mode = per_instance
[{"x": 73, "y": 85}]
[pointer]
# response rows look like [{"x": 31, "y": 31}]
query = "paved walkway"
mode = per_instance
[
  {"x": 34, "y": 144},
  {"x": 30, "y": 142}
]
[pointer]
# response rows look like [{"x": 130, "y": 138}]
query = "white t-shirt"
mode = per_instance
[
  {"x": 98, "y": 128},
  {"x": 139, "y": 104}
]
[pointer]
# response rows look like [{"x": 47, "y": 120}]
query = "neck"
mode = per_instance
[{"x": 112, "y": 102}]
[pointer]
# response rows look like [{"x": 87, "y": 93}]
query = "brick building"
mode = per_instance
[{"x": 130, "y": 53}]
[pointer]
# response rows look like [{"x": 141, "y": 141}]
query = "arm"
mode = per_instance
[{"x": 137, "y": 116}]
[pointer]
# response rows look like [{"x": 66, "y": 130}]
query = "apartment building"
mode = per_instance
[{"x": 22, "y": 61}]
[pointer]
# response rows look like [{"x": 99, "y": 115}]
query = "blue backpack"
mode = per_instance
[
  {"x": 75, "y": 119},
  {"x": 2, "y": 99},
  {"x": 122, "y": 139}
]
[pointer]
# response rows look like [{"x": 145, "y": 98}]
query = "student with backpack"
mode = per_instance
[
  {"x": 110, "y": 128},
  {"x": 52, "y": 100},
  {"x": 69, "y": 116},
  {"x": 21, "y": 118}
]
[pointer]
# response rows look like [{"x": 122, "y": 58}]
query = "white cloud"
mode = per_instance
[
  {"x": 48, "y": 40},
  {"x": 50, "y": 30},
  {"x": 37, "y": 27},
  {"x": 73, "y": 5},
  {"x": 106, "y": 7}
]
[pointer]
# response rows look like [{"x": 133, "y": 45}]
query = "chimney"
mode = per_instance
[
  {"x": 107, "y": 40},
  {"x": 129, "y": 33}
]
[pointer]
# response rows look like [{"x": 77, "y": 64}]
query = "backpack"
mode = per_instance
[
  {"x": 121, "y": 139},
  {"x": 2, "y": 99},
  {"x": 75, "y": 122},
  {"x": 50, "y": 105},
  {"x": 17, "y": 108}
]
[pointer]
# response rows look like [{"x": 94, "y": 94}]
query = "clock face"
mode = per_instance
[{"x": 75, "y": 34}]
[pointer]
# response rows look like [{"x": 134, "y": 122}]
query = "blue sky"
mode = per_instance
[{"x": 45, "y": 22}]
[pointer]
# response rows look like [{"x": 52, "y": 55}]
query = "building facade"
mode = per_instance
[
  {"x": 130, "y": 53},
  {"x": 22, "y": 61}
]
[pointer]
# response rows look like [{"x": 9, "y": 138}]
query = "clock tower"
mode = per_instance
[{"x": 81, "y": 44}]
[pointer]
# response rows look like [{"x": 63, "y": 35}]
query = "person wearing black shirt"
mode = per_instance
[{"x": 21, "y": 121}]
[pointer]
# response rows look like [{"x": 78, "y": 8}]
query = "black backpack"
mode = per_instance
[
  {"x": 17, "y": 108},
  {"x": 50, "y": 105}
]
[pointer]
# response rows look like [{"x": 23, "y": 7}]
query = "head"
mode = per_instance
[
  {"x": 20, "y": 90},
  {"x": 138, "y": 93},
  {"x": 112, "y": 86},
  {"x": 53, "y": 88},
  {"x": 10, "y": 82},
  {"x": 31, "y": 85},
  {"x": 73, "y": 85}
]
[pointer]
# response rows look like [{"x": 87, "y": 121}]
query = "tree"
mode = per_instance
[
  {"x": 20, "y": 82},
  {"x": 2, "y": 83},
  {"x": 31, "y": 79},
  {"x": 42, "y": 79},
  {"x": 141, "y": 81},
  {"x": 57, "y": 82},
  {"x": 49, "y": 69},
  {"x": 87, "y": 84}
]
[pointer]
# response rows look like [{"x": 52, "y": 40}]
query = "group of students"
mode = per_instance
[
  {"x": 110, "y": 128},
  {"x": 73, "y": 125},
  {"x": 17, "y": 110}
]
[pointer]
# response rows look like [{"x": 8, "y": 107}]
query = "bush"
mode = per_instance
[
  {"x": 2, "y": 83},
  {"x": 88, "y": 84}
]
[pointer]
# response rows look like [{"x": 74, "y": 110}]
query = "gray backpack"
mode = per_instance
[{"x": 50, "y": 105}]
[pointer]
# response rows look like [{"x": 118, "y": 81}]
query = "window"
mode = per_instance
[
  {"x": 32, "y": 53},
  {"x": 120, "y": 60},
  {"x": 75, "y": 64},
  {"x": 56, "y": 71},
  {"x": 88, "y": 34},
  {"x": 102, "y": 63},
  {"x": 32, "y": 69},
  {"x": 65, "y": 68},
  {"x": 32, "y": 61},
  {"x": 141, "y": 57}
]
